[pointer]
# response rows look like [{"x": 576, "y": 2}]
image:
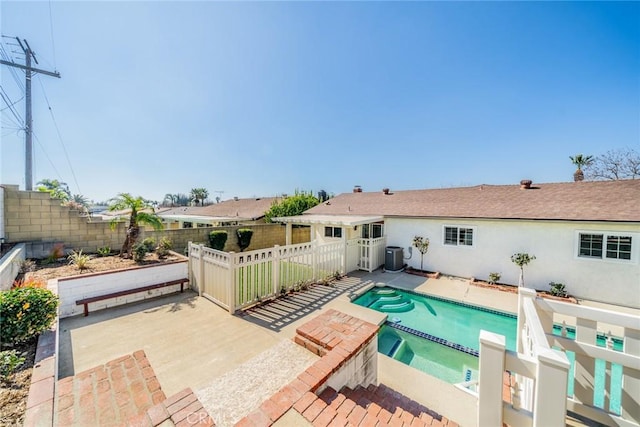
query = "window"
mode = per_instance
[
  {"x": 592, "y": 246},
  {"x": 458, "y": 236},
  {"x": 619, "y": 247},
  {"x": 332, "y": 232},
  {"x": 371, "y": 231}
]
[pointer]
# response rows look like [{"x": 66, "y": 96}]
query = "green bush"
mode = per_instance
[
  {"x": 164, "y": 247},
  {"x": 149, "y": 243},
  {"x": 139, "y": 252},
  {"x": 79, "y": 259},
  {"x": 104, "y": 251},
  {"x": 10, "y": 360},
  {"x": 217, "y": 239},
  {"x": 244, "y": 238},
  {"x": 25, "y": 313},
  {"x": 557, "y": 289}
]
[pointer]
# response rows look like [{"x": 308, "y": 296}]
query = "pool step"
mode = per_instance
[
  {"x": 400, "y": 307},
  {"x": 384, "y": 291}
]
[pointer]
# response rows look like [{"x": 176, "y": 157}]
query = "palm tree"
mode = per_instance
[
  {"x": 199, "y": 195},
  {"x": 579, "y": 160},
  {"x": 170, "y": 199},
  {"x": 57, "y": 189},
  {"x": 137, "y": 216},
  {"x": 80, "y": 200}
]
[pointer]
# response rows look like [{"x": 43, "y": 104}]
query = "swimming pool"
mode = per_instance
[
  {"x": 448, "y": 320},
  {"x": 441, "y": 337}
]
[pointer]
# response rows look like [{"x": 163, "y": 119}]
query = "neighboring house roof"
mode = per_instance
[
  {"x": 577, "y": 201},
  {"x": 342, "y": 220},
  {"x": 246, "y": 209}
]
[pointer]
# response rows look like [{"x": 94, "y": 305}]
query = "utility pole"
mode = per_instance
[{"x": 28, "y": 126}]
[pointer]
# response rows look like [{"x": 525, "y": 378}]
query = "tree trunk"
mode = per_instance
[
  {"x": 129, "y": 241},
  {"x": 578, "y": 175},
  {"x": 521, "y": 279}
]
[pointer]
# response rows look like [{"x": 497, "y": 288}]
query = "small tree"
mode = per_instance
[
  {"x": 291, "y": 206},
  {"x": 137, "y": 216},
  {"x": 217, "y": 239},
  {"x": 521, "y": 259},
  {"x": 422, "y": 244},
  {"x": 244, "y": 238},
  {"x": 614, "y": 165}
]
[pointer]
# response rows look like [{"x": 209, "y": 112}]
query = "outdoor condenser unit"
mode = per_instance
[{"x": 393, "y": 258}]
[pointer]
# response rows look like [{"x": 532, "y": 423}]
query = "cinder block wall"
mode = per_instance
[
  {"x": 39, "y": 221},
  {"x": 2, "y": 236},
  {"x": 264, "y": 236}
]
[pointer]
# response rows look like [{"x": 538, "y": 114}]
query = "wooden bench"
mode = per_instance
[{"x": 86, "y": 301}]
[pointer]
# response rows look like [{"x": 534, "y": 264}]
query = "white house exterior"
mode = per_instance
[{"x": 585, "y": 235}]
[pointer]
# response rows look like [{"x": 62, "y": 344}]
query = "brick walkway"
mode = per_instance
[
  {"x": 125, "y": 392},
  {"x": 337, "y": 337}
]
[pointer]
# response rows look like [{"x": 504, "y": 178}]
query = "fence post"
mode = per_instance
[
  {"x": 490, "y": 378},
  {"x": 190, "y": 265},
  {"x": 275, "y": 269},
  {"x": 630, "y": 406},
  {"x": 523, "y": 293},
  {"x": 314, "y": 260},
  {"x": 201, "y": 269},
  {"x": 550, "y": 406},
  {"x": 231, "y": 283}
]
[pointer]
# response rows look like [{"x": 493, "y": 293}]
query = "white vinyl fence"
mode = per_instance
[
  {"x": 238, "y": 280},
  {"x": 556, "y": 372}
]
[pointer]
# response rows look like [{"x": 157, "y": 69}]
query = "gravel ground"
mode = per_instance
[{"x": 237, "y": 393}]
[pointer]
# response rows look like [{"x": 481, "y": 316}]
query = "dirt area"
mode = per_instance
[
  {"x": 14, "y": 391},
  {"x": 46, "y": 270}
]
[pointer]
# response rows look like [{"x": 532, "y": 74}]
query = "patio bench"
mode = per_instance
[{"x": 87, "y": 301}]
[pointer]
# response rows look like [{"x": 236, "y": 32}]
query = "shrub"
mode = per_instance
[
  {"x": 244, "y": 238},
  {"x": 29, "y": 283},
  {"x": 57, "y": 252},
  {"x": 494, "y": 277},
  {"x": 27, "y": 265},
  {"x": 9, "y": 362},
  {"x": 164, "y": 247},
  {"x": 105, "y": 251},
  {"x": 217, "y": 239},
  {"x": 79, "y": 259},
  {"x": 557, "y": 289},
  {"x": 149, "y": 244},
  {"x": 25, "y": 313},
  {"x": 139, "y": 252}
]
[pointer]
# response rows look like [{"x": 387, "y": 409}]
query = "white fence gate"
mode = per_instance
[{"x": 238, "y": 280}]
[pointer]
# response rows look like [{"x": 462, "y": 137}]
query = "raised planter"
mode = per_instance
[
  {"x": 72, "y": 289},
  {"x": 10, "y": 265},
  {"x": 423, "y": 273}
]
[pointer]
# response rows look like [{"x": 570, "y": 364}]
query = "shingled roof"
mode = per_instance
[
  {"x": 248, "y": 209},
  {"x": 575, "y": 201}
]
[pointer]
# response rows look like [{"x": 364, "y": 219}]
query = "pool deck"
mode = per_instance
[{"x": 191, "y": 342}]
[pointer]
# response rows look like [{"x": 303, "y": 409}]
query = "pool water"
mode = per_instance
[
  {"x": 449, "y": 320},
  {"x": 441, "y": 337}
]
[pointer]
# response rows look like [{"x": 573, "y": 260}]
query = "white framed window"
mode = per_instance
[
  {"x": 454, "y": 235},
  {"x": 605, "y": 245},
  {"x": 332, "y": 232},
  {"x": 371, "y": 231}
]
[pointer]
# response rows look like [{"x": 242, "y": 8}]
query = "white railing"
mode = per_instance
[
  {"x": 541, "y": 374},
  {"x": 370, "y": 253},
  {"x": 537, "y": 375},
  {"x": 238, "y": 280},
  {"x": 606, "y": 375}
]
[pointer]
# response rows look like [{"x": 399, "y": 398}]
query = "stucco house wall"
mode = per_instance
[{"x": 554, "y": 243}]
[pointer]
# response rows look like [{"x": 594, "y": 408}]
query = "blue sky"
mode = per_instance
[{"x": 262, "y": 98}]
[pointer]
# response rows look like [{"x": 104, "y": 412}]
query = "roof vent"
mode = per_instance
[
  {"x": 357, "y": 189},
  {"x": 235, "y": 198},
  {"x": 525, "y": 184},
  {"x": 385, "y": 191}
]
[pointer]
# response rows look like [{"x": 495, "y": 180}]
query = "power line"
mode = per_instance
[
  {"x": 10, "y": 106},
  {"x": 53, "y": 45},
  {"x": 48, "y": 158},
  {"x": 64, "y": 148}
]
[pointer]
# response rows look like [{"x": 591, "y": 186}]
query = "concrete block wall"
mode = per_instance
[
  {"x": 39, "y": 221},
  {"x": 2, "y": 236},
  {"x": 264, "y": 236}
]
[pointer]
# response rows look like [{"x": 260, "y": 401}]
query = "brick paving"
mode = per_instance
[
  {"x": 125, "y": 392},
  {"x": 337, "y": 337}
]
